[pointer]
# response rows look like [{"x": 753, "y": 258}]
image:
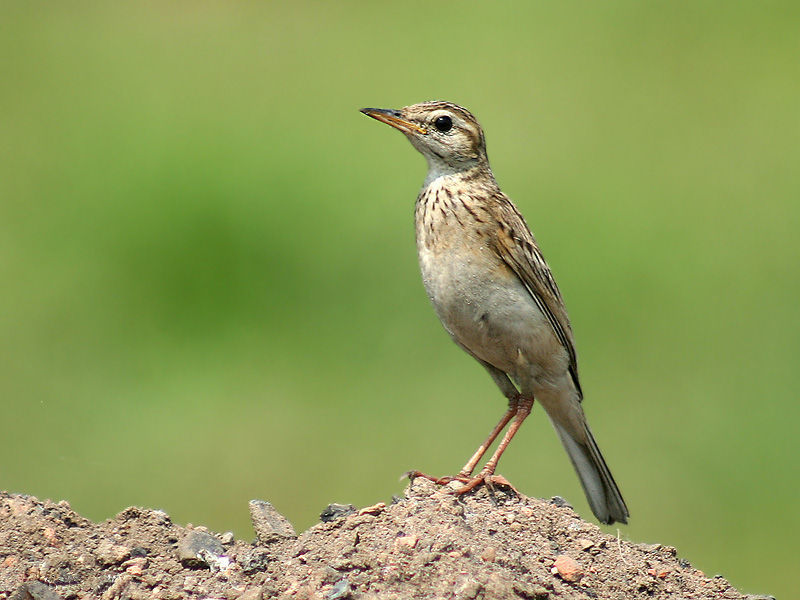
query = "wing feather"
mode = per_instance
[{"x": 516, "y": 246}]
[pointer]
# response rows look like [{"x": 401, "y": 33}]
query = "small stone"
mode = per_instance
[
  {"x": 109, "y": 553},
  {"x": 251, "y": 594},
  {"x": 341, "y": 589},
  {"x": 559, "y": 501},
  {"x": 489, "y": 554},
  {"x": 135, "y": 566},
  {"x": 138, "y": 594},
  {"x": 306, "y": 592},
  {"x": 584, "y": 543},
  {"x": 199, "y": 549},
  {"x": 34, "y": 590},
  {"x": 49, "y": 535},
  {"x": 9, "y": 561},
  {"x": 270, "y": 525},
  {"x": 217, "y": 562},
  {"x": 530, "y": 592},
  {"x": 189, "y": 583},
  {"x": 567, "y": 568},
  {"x": 406, "y": 543},
  {"x": 450, "y": 505},
  {"x": 117, "y": 588},
  {"x": 468, "y": 589},
  {"x": 138, "y": 562},
  {"x": 334, "y": 511},
  {"x": 227, "y": 538},
  {"x": 498, "y": 587},
  {"x": 255, "y": 561},
  {"x": 373, "y": 510}
]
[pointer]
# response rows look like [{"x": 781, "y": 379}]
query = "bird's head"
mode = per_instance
[{"x": 448, "y": 135}]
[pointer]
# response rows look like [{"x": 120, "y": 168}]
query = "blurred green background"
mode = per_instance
[{"x": 209, "y": 283}]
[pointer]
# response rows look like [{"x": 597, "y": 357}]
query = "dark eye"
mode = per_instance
[{"x": 443, "y": 123}]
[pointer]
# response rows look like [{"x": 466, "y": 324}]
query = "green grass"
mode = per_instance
[{"x": 210, "y": 292}]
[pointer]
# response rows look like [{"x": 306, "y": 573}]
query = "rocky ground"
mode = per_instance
[{"x": 429, "y": 544}]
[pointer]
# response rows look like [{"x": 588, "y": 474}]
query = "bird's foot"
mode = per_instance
[{"x": 490, "y": 480}]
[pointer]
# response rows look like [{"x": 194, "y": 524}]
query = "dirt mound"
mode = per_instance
[{"x": 429, "y": 544}]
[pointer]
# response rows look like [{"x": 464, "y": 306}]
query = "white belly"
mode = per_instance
[{"x": 486, "y": 309}]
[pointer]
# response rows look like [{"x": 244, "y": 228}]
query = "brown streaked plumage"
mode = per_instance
[{"x": 495, "y": 295}]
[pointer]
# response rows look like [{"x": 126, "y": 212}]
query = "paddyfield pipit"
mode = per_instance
[{"x": 495, "y": 295}]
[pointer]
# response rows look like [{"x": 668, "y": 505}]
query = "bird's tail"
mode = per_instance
[{"x": 601, "y": 490}]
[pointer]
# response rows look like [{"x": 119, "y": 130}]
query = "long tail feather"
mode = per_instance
[{"x": 601, "y": 490}]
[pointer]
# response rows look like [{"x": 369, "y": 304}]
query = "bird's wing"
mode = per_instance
[{"x": 516, "y": 246}]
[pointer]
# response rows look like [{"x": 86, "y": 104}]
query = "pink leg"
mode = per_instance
[
  {"x": 486, "y": 474},
  {"x": 472, "y": 462},
  {"x": 518, "y": 410}
]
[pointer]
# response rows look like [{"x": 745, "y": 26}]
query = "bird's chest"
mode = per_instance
[
  {"x": 454, "y": 256},
  {"x": 475, "y": 294},
  {"x": 479, "y": 299}
]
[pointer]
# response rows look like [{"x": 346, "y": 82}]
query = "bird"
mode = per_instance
[{"x": 496, "y": 296}]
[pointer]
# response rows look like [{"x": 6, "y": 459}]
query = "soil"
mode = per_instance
[{"x": 488, "y": 544}]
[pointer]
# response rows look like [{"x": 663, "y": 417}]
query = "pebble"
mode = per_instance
[
  {"x": 406, "y": 543},
  {"x": 534, "y": 592},
  {"x": 373, "y": 510},
  {"x": 227, "y": 538},
  {"x": 109, "y": 553},
  {"x": 567, "y": 568},
  {"x": 9, "y": 561},
  {"x": 661, "y": 574},
  {"x": 135, "y": 566},
  {"x": 270, "y": 525},
  {"x": 335, "y": 511},
  {"x": 489, "y": 554},
  {"x": 199, "y": 549},
  {"x": 49, "y": 535},
  {"x": 584, "y": 543},
  {"x": 34, "y": 590},
  {"x": 255, "y": 561},
  {"x": 468, "y": 589},
  {"x": 116, "y": 589},
  {"x": 426, "y": 558},
  {"x": 341, "y": 589},
  {"x": 189, "y": 583}
]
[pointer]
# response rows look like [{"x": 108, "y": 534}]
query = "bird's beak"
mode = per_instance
[{"x": 393, "y": 118}]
